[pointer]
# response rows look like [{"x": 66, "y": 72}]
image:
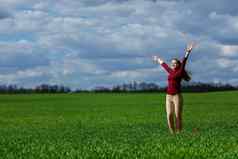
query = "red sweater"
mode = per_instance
[{"x": 175, "y": 77}]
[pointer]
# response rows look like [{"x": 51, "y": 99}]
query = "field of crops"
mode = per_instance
[{"x": 117, "y": 126}]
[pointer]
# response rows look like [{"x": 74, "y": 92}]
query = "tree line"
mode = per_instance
[
  {"x": 43, "y": 88},
  {"x": 126, "y": 87},
  {"x": 153, "y": 87}
]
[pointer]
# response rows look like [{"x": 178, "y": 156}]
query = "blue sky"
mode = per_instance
[{"x": 88, "y": 43}]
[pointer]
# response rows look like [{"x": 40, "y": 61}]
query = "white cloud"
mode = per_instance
[{"x": 229, "y": 50}]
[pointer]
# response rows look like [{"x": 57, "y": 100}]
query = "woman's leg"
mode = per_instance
[
  {"x": 170, "y": 112},
  {"x": 178, "y": 102}
]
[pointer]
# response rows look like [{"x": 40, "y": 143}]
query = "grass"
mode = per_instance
[{"x": 117, "y": 126}]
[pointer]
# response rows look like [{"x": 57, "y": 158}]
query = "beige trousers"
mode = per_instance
[
  {"x": 174, "y": 104},
  {"x": 174, "y": 107}
]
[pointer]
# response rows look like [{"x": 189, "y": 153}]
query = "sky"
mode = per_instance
[{"x": 89, "y": 43}]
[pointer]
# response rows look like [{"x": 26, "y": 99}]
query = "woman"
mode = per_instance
[{"x": 174, "y": 99}]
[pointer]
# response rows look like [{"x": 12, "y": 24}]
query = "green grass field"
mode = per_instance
[{"x": 117, "y": 126}]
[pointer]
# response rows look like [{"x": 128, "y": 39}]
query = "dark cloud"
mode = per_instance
[
  {"x": 23, "y": 61},
  {"x": 221, "y": 6},
  {"x": 4, "y": 14}
]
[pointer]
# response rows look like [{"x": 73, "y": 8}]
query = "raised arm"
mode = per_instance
[
  {"x": 187, "y": 53},
  {"x": 162, "y": 63}
]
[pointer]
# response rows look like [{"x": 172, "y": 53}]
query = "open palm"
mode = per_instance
[{"x": 189, "y": 47}]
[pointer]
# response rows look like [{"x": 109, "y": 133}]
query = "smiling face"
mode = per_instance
[{"x": 175, "y": 63}]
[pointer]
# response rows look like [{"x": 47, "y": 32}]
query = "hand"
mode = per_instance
[
  {"x": 189, "y": 47},
  {"x": 156, "y": 59}
]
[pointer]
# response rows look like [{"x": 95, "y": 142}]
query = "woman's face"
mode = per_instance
[{"x": 174, "y": 64}]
